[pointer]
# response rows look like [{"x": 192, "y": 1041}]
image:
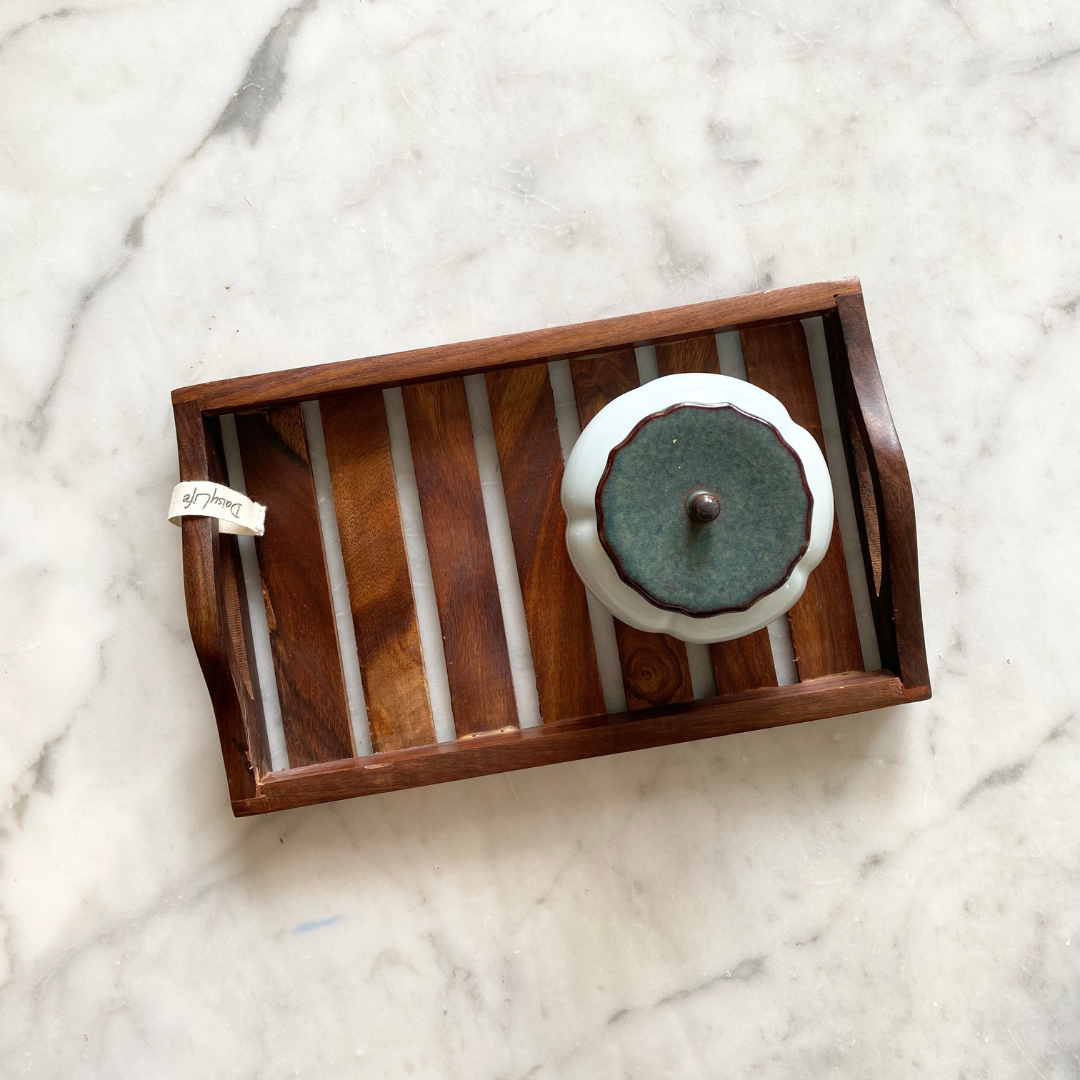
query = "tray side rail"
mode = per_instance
[
  {"x": 255, "y": 392},
  {"x": 570, "y": 740},
  {"x": 228, "y": 675},
  {"x": 884, "y": 504}
]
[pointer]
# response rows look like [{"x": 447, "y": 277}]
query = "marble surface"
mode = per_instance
[{"x": 194, "y": 190}]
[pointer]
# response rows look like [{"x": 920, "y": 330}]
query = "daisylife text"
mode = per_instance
[{"x": 212, "y": 498}]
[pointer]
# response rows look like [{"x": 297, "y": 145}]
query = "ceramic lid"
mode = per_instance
[{"x": 696, "y": 507}]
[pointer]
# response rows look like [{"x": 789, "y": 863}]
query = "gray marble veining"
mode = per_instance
[{"x": 200, "y": 190}]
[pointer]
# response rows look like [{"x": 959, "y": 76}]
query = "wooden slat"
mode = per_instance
[
  {"x": 688, "y": 355},
  {"x": 234, "y": 593},
  {"x": 747, "y": 662},
  {"x": 575, "y": 739},
  {"x": 377, "y": 570},
  {"x": 600, "y": 379},
  {"x": 304, "y": 384},
  {"x": 654, "y": 666},
  {"x": 296, "y": 587},
  {"x": 824, "y": 634},
  {"x": 556, "y": 611},
  {"x": 462, "y": 570}
]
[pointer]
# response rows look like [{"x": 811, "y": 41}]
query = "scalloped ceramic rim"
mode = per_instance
[
  {"x": 608, "y": 547},
  {"x": 587, "y": 465}
]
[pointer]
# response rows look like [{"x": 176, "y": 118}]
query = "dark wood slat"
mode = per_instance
[
  {"x": 462, "y": 570},
  {"x": 747, "y": 662},
  {"x": 304, "y": 384},
  {"x": 688, "y": 355},
  {"x": 556, "y": 611},
  {"x": 377, "y": 570},
  {"x": 296, "y": 587},
  {"x": 654, "y": 666},
  {"x": 600, "y": 379},
  {"x": 865, "y": 482},
  {"x": 234, "y": 593},
  {"x": 824, "y": 633},
  {"x": 833, "y": 695}
]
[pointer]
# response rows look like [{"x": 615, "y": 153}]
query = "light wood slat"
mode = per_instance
[
  {"x": 747, "y": 662},
  {"x": 462, "y": 569},
  {"x": 654, "y": 666},
  {"x": 556, "y": 611},
  {"x": 377, "y": 570},
  {"x": 296, "y": 587},
  {"x": 824, "y": 633}
]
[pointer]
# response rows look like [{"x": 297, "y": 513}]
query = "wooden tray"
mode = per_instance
[{"x": 307, "y": 662}]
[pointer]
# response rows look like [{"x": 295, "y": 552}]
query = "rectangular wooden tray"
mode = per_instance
[{"x": 661, "y": 708}]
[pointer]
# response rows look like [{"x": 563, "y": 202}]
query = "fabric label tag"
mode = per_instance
[{"x": 236, "y": 512}]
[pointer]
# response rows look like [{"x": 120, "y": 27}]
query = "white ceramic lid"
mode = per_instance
[{"x": 708, "y": 540}]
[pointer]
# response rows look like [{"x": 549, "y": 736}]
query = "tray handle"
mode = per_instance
[
  {"x": 230, "y": 677},
  {"x": 885, "y": 506}
]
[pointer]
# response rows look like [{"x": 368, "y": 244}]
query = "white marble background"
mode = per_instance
[{"x": 193, "y": 189}]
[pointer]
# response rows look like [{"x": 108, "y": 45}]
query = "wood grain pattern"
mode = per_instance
[
  {"x": 654, "y": 666},
  {"x": 600, "y": 379},
  {"x": 688, "y": 355},
  {"x": 747, "y": 662},
  {"x": 556, "y": 611},
  {"x": 462, "y": 570},
  {"x": 377, "y": 570},
  {"x": 395, "y": 369},
  {"x": 575, "y": 739},
  {"x": 824, "y": 633},
  {"x": 296, "y": 587},
  {"x": 889, "y": 527}
]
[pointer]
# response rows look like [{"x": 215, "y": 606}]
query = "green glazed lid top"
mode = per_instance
[{"x": 704, "y": 509}]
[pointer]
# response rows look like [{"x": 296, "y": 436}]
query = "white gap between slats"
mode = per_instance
[
  {"x": 729, "y": 349},
  {"x": 427, "y": 610},
  {"x": 522, "y": 672},
  {"x": 603, "y": 625},
  {"x": 698, "y": 657},
  {"x": 260, "y": 632},
  {"x": 335, "y": 568},
  {"x": 842, "y": 493}
]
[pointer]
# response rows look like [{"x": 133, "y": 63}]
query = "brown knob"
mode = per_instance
[{"x": 703, "y": 507}]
